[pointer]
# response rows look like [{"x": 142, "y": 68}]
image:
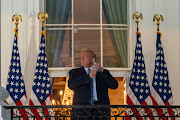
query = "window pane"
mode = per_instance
[
  {"x": 86, "y": 11},
  {"x": 114, "y": 11},
  {"x": 115, "y": 48},
  {"x": 58, "y": 47},
  {"x": 86, "y": 39},
  {"x": 59, "y": 11}
]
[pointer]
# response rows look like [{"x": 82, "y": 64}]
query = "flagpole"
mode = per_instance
[
  {"x": 158, "y": 18},
  {"x": 137, "y": 16},
  {"x": 43, "y": 16}
]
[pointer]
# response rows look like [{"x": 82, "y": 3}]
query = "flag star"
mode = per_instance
[
  {"x": 45, "y": 65},
  {"x": 134, "y": 64},
  {"x": 141, "y": 91},
  {"x": 48, "y": 79},
  {"x": 38, "y": 58},
  {"x": 11, "y": 89},
  {"x": 12, "y": 83},
  {"x": 17, "y": 58},
  {"x": 38, "y": 84},
  {"x": 14, "y": 51},
  {"x": 36, "y": 70},
  {"x": 14, "y": 57},
  {"x": 133, "y": 70},
  {"x": 142, "y": 64},
  {"x": 132, "y": 76},
  {"x": 22, "y": 84},
  {"x": 137, "y": 83},
  {"x": 157, "y": 64},
  {"x": 169, "y": 91},
  {"x": 41, "y": 97},
  {"x": 139, "y": 52},
  {"x": 137, "y": 77},
  {"x": 22, "y": 90},
  {"x": 35, "y": 77},
  {"x": 44, "y": 71},
  {"x": 161, "y": 77},
  {"x": 160, "y": 83},
  {"x": 12, "y": 76},
  {"x": 15, "y": 96},
  {"x": 138, "y": 70},
  {"x": 147, "y": 91},
  {"x": 162, "y": 63},
  {"x": 37, "y": 90},
  {"x": 41, "y": 64},
  {"x": 16, "y": 90},
  {"x": 17, "y": 77},
  {"x": 139, "y": 57},
  {"x": 155, "y": 83},
  {"x": 143, "y": 71},
  {"x": 44, "y": 78},
  {"x": 164, "y": 97},
  {"x": 165, "y": 84},
  {"x": 34, "y": 83},
  {"x": 42, "y": 58},
  {"x": 132, "y": 82},
  {"x": 160, "y": 90},
  {"x": 165, "y": 71},
  {"x": 47, "y": 91},
  {"x": 48, "y": 85},
  {"x": 13, "y": 70},
  {"x": 40, "y": 71},
  {"x": 142, "y": 84},
  {"x": 136, "y": 89},
  {"x": 21, "y": 78},
  {"x": 142, "y": 77},
  {"x": 43, "y": 84},
  {"x": 17, "y": 64},
  {"x": 147, "y": 84},
  {"x": 157, "y": 70},
  {"x": 42, "y": 91},
  {"x": 156, "y": 77},
  {"x": 140, "y": 97},
  {"x": 39, "y": 77},
  {"x": 45, "y": 59},
  {"x": 165, "y": 91},
  {"x": 139, "y": 64},
  {"x": 17, "y": 71},
  {"x": 16, "y": 84},
  {"x": 37, "y": 64},
  {"x": 42, "y": 51},
  {"x": 165, "y": 78}
]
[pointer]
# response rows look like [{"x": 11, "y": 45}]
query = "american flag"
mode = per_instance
[
  {"x": 138, "y": 91},
  {"x": 161, "y": 89},
  {"x": 15, "y": 83},
  {"x": 41, "y": 93}
]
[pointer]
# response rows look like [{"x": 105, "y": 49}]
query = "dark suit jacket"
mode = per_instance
[{"x": 79, "y": 81}]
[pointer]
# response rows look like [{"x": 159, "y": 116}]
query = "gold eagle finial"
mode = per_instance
[
  {"x": 17, "y": 18},
  {"x": 137, "y": 16},
  {"x": 158, "y": 18}
]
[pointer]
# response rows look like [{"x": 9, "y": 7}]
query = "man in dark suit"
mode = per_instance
[{"x": 80, "y": 80}]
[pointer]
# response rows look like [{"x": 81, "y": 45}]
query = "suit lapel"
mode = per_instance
[{"x": 82, "y": 71}]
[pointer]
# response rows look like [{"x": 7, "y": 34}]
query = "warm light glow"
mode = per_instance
[
  {"x": 61, "y": 92},
  {"x": 53, "y": 102},
  {"x": 67, "y": 103},
  {"x": 124, "y": 81}
]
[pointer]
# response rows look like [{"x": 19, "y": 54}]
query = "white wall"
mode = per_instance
[
  {"x": 170, "y": 38},
  {"x": 29, "y": 36}
]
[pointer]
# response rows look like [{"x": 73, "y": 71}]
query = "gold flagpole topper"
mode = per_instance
[
  {"x": 137, "y": 16},
  {"x": 158, "y": 18},
  {"x": 42, "y": 15},
  {"x": 17, "y": 18}
]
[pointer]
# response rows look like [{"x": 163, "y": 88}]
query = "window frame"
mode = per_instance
[{"x": 116, "y": 72}]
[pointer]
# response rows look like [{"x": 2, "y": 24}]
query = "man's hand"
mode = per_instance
[
  {"x": 92, "y": 73},
  {"x": 98, "y": 67}
]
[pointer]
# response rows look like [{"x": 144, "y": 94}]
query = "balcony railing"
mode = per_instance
[{"x": 96, "y": 112}]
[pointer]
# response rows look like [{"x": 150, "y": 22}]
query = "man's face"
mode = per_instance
[{"x": 86, "y": 59}]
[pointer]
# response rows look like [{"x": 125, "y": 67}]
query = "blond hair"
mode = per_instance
[{"x": 89, "y": 50}]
